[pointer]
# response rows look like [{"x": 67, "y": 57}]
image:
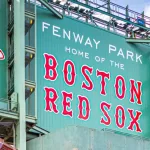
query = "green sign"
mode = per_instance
[
  {"x": 3, "y": 62},
  {"x": 90, "y": 77}
]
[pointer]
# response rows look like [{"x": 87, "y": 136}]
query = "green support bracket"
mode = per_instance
[
  {"x": 50, "y": 8},
  {"x": 133, "y": 40}
]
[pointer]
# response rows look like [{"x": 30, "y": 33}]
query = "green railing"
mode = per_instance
[
  {"x": 106, "y": 15},
  {"x": 8, "y": 105},
  {"x": 30, "y": 98},
  {"x": 29, "y": 7}
]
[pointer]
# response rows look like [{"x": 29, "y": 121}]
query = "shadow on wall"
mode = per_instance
[{"x": 81, "y": 138}]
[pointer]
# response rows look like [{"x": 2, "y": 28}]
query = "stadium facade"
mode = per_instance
[{"x": 74, "y": 76}]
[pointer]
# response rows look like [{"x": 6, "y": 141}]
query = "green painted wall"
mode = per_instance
[
  {"x": 55, "y": 45},
  {"x": 3, "y": 63}
]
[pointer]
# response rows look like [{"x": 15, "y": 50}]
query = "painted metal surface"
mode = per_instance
[
  {"x": 3, "y": 52},
  {"x": 50, "y": 8},
  {"x": 52, "y": 40},
  {"x": 80, "y": 138},
  {"x": 19, "y": 71}
]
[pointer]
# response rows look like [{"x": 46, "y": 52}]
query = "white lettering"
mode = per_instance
[
  {"x": 74, "y": 51},
  {"x": 77, "y": 37},
  {"x": 87, "y": 55},
  {"x": 130, "y": 54},
  {"x": 67, "y": 49},
  {"x": 138, "y": 58},
  {"x": 45, "y": 26},
  {"x": 112, "y": 48},
  {"x": 56, "y": 30},
  {"x": 120, "y": 53},
  {"x": 65, "y": 34},
  {"x": 88, "y": 41},
  {"x": 96, "y": 43}
]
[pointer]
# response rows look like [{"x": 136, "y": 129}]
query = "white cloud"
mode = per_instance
[
  {"x": 147, "y": 13},
  {"x": 147, "y": 10}
]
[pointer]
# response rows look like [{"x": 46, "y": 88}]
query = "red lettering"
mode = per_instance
[
  {"x": 51, "y": 99},
  {"x": 66, "y": 104},
  {"x": 81, "y": 108},
  {"x": 122, "y": 116},
  {"x": 135, "y": 91},
  {"x": 50, "y": 67},
  {"x": 2, "y": 56},
  {"x": 67, "y": 73},
  {"x": 134, "y": 120},
  {"x": 90, "y": 84},
  {"x": 123, "y": 89},
  {"x": 102, "y": 107},
  {"x": 103, "y": 82}
]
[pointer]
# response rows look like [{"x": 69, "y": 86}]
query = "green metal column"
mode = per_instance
[
  {"x": 127, "y": 16},
  {"x": 108, "y": 10},
  {"x": 35, "y": 59},
  {"x": 88, "y": 13},
  {"x": 143, "y": 15},
  {"x": 19, "y": 70},
  {"x": 127, "y": 11}
]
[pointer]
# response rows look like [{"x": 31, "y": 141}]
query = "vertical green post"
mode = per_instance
[
  {"x": 19, "y": 70},
  {"x": 127, "y": 15},
  {"x": 88, "y": 13},
  {"x": 108, "y": 10},
  {"x": 143, "y": 15},
  {"x": 127, "y": 11},
  {"x": 35, "y": 59}
]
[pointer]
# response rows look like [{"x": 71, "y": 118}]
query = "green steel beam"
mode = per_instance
[
  {"x": 30, "y": 49},
  {"x": 132, "y": 40},
  {"x": 15, "y": 116},
  {"x": 30, "y": 119},
  {"x": 10, "y": 115},
  {"x": 50, "y": 8},
  {"x": 36, "y": 61},
  {"x": 19, "y": 71},
  {"x": 29, "y": 83},
  {"x": 107, "y": 13},
  {"x": 29, "y": 14}
]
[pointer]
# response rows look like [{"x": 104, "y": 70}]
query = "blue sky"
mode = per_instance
[{"x": 136, "y": 5}]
